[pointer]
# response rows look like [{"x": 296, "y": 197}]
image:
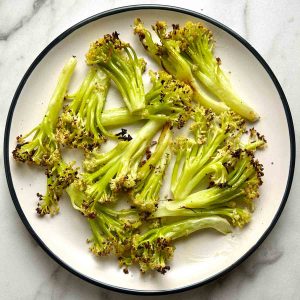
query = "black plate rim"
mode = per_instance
[{"x": 113, "y": 12}]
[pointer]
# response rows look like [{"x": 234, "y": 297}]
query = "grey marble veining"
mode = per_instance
[
  {"x": 272, "y": 27},
  {"x": 7, "y": 31}
]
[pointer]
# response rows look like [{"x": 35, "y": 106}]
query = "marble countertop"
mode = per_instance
[{"x": 272, "y": 27}]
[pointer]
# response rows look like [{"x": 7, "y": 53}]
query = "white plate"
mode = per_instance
[{"x": 204, "y": 256}]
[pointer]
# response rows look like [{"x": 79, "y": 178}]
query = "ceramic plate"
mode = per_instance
[{"x": 204, "y": 256}]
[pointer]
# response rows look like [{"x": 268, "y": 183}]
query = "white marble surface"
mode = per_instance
[{"x": 272, "y": 27}]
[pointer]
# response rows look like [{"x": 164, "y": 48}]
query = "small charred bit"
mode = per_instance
[
  {"x": 39, "y": 211},
  {"x": 123, "y": 135},
  {"x": 250, "y": 153},
  {"x": 115, "y": 35},
  {"x": 227, "y": 130},
  {"x": 151, "y": 167},
  {"x": 122, "y": 132},
  {"x": 142, "y": 162},
  {"x": 20, "y": 145},
  {"x": 148, "y": 154},
  {"x": 227, "y": 165},
  {"x": 142, "y": 37},
  {"x": 255, "y": 135},
  {"x": 211, "y": 184},
  {"x": 261, "y": 137},
  {"x": 236, "y": 153},
  {"x": 163, "y": 270},
  {"x": 92, "y": 215},
  {"x": 19, "y": 138},
  {"x": 222, "y": 185}
]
